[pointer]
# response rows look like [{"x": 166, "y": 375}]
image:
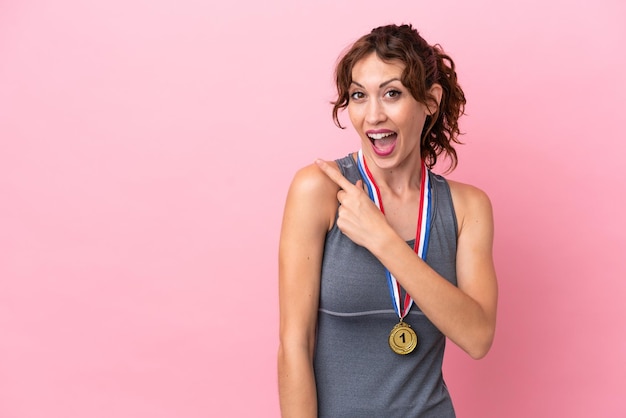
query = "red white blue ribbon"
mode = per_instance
[{"x": 421, "y": 236}]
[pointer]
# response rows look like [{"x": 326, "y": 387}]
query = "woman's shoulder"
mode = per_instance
[
  {"x": 470, "y": 202},
  {"x": 312, "y": 181},
  {"x": 312, "y": 196},
  {"x": 467, "y": 192}
]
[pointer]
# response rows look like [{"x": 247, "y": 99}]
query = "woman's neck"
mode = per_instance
[{"x": 398, "y": 180}]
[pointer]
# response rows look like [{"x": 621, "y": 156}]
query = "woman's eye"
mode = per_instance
[
  {"x": 393, "y": 94},
  {"x": 357, "y": 95}
]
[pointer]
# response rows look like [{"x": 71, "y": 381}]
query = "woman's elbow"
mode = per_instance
[{"x": 481, "y": 346}]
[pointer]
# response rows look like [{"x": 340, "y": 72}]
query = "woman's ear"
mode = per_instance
[{"x": 435, "y": 91}]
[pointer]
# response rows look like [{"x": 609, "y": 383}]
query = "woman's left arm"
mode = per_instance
[{"x": 465, "y": 313}]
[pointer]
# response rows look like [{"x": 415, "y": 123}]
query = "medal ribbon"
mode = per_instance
[{"x": 421, "y": 236}]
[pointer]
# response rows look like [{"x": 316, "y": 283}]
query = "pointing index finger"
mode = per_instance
[{"x": 334, "y": 174}]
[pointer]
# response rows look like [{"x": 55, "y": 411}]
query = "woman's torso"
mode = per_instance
[{"x": 356, "y": 372}]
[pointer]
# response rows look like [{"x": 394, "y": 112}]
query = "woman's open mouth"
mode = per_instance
[{"x": 383, "y": 142}]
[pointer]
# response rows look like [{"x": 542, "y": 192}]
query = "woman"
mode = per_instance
[{"x": 363, "y": 316}]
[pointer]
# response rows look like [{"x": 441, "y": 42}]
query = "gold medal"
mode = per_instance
[{"x": 402, "y": 339}]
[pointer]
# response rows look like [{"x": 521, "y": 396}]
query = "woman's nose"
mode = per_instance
[{"x": 375, "y": 112}]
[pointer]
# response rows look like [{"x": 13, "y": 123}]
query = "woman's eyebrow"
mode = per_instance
[{"x": 381, "y": 85}]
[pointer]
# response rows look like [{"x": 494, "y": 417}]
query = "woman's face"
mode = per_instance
[{"x": 384, "y": 113}]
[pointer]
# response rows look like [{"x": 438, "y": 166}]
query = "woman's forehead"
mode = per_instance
[{"x": 372, "y": 67}]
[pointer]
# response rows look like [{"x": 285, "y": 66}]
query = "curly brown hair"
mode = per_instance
[{"x": 424, "y": 66}]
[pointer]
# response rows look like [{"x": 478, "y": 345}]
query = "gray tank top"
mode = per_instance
[{"x": 357, "y": 374}]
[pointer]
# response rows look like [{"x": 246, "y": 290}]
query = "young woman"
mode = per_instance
[{"x": 380, "y": 259}]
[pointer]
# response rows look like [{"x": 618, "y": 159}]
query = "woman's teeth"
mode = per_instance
[{"x": 380, "y": 136}]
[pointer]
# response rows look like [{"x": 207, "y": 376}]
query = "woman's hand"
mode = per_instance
[{"x": 357, "y": 217}]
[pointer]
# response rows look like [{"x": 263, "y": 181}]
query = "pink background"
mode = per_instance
[{"x": 146, "y": 149}]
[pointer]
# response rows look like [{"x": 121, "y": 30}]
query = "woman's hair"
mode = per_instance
[{"x": 424, "y": 66}]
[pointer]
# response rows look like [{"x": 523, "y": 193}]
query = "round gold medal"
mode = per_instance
[{"x": 402, "y": 339}]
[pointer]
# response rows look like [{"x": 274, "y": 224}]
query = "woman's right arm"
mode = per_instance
[{"x": 309, "y": 214}]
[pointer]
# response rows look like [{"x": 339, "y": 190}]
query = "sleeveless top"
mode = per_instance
[{"x": 356, "y": 373}]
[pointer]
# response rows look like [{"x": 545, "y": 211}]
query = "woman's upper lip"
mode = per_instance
[{"x": 378, "y": 131}]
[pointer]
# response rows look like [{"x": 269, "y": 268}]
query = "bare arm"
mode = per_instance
[
  {"x": 309, "y": 213},
  {"x": 466, "y": 314}
]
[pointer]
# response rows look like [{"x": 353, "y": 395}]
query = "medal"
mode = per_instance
[{"x": 402, "y": 338}]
